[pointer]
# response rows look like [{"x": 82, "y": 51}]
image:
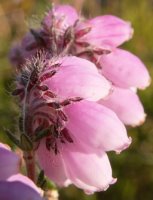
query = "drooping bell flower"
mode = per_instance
[
  {"x": 63, "y": 30},
  {"x": 124, "y": 69},
  {"x": 69, "y": 127},
  {"x": 127, "y": 105},
  {"x": 95, "y": 39},
  {"x": 101, "y": 33},
  {"x": 97, "y": 35},
  {"x": 12, "y": 184}
]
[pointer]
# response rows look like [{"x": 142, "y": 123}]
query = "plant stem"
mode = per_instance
[{"x": 29, "y": 157}]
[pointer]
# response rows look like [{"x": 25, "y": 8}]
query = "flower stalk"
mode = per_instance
[{"x": 29, "y": 157}]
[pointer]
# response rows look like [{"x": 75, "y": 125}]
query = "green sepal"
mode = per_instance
[
  {"x": 26, "y": 142},
  {"x": 41, "y": 134},
  {"x": 42, "y": 182}
]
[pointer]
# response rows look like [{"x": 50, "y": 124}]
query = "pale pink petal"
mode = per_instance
[
  {"x": 52, "y": 165},
  {"x": 86, "y": 169},
  {"x": 65, "y": 16},
  {"x": 25, "y": 180},
  {"x": 4, "y": 146},
  {"x": 126, "y": 104},
  {"x": 125, "y": 69},
  {"x": 106, "y": 29},
  {"x": 16, "y": 191},
  {"x": 97, "y": 125},
  {"x": 9, "y": 164},
  {"x": 78, "y": 77}
]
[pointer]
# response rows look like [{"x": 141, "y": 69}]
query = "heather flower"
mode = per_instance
[
  {"x": 67, "y": 124},
  {"x": 124, "y": 69},
  {"x": 72, "y": 106},
  {"x": 96, "y": 40},
  {"x": 101, "y": 33},
  {"x": 127, "y": 105},
  {"x": 12, "y": 184},
  {"x": 64, "y": 30},
  {"x": 95, "y": 33}
]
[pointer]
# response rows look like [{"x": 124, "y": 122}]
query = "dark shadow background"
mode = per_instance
[{"x": 134, "y": 167}]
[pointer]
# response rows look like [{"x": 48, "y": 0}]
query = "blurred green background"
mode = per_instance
[{"x": 134, "y": 167}]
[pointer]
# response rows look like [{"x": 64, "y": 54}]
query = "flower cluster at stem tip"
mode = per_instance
[{"x": 77, "y": 91}]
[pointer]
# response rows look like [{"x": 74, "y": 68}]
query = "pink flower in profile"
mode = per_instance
[
  {"x": 96, "y": 40},
  {"x": 79, "y": 104},
  {"x": 12, "y": 184},
  {"x": 61, "y": 96},
  {"x": 125, "y": 70},
  {"x": 93, "y": 35},
  {"x": 126, "y": 104},
  {"x": 102, "y": 32}
]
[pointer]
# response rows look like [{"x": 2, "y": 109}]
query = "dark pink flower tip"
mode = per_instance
[
  {"x": 105, "y": 31},
  {"x": 64, "y": 16},
  {"x": 126, "y": 104},
  {"x": 125, "y": 69},
  {"x": 10, "y": 162},
  {"x": 17, "y": 190}
]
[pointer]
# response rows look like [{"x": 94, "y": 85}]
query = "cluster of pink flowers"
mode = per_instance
[{"x": 79, "y": 90}]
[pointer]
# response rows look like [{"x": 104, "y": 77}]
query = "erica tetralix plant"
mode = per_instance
[
  {"x": 68, "y": 127},
  {"x": 64, "y": 31},
  {"x": 76, "y": 90}
]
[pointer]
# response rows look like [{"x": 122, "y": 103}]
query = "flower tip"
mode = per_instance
[
  {"x": 124, "y": 146},
  {"x": 111, "y": 182},
  {"x": 67, "y": 183},
  {"x": 110, "y": 91},
  {"x": 5, "y": 146},
  {"x": 131, "y": 31},
  {"x": 114, "y": 180},
  {"x": 105, "y": 188},
  {"x": 148, "y": 82},
  {"x": 88, "y": 192},
  {"x": 141, "y": 121},
  {"x": 145, "y": 80}
]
